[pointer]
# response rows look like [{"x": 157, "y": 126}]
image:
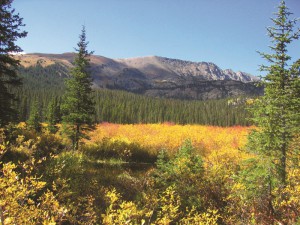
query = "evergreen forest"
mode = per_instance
[{"x": 46, "y": 84}]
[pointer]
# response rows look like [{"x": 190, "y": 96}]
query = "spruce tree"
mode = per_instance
[
  {"x": 276, "y": 114},
  {"x": 78, "y": 106},
  {"x": 10, "y": 23},
  {"x": 53, "y": 115},
  {"x": 34, "y": 121}
]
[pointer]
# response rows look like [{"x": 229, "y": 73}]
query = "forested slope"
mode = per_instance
[{"x": 44, "y": 84}]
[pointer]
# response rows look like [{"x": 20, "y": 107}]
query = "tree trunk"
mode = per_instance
[
  {"x": 283, "y": 165},
  {"x": 270, "y": 203},
  {"x": 76, "y": 138}
]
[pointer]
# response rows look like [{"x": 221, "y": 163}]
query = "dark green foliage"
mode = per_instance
[
  {"x": 47, "y": 83},
  {"x": 10, "y": 24},
  {"x": 185, "y": 171},
  {"x": 43, "y": 78},
  {"x": 258, "y": 177},
  {"x": 125, "y": 108},
  {"x": 34, "y": 121},
  {"x": 78, "y": 105},
  {"x": 276, "y": 114},
  {"x": 53, "y": 115},
  {"x": 42, "y": 84},
  {"x": 6, "y": 110}
]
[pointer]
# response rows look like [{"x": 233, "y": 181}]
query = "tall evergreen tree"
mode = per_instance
[
  {"x": 78, "y": 106},
  {"x": 34, "y": 121},
  {"x": 53, "y": 115},
  {"x": 10, "y": 23},
  {"x": 277, "y": 110},
  {"x": 276, "y": 114}
]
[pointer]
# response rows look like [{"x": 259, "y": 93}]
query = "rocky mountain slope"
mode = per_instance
[
  {"x": 202, "y": 70},
  {"x": 157, "y": 76}
]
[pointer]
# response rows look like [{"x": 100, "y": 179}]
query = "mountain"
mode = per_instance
[
  {"x": 165, "y": 66},
  {"x": 155, "y": 76}
]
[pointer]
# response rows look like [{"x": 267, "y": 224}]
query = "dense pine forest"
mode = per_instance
[
  {"x": 46, "y": 84},
  {"x": 71, "y": 154}
]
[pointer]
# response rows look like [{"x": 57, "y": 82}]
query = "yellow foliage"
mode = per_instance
[
  {"x": 287, "y": 199},
  {"x": 207, "y": 218},
  {"x": 121, "y": 212},
  {"x": 169, "y": 203},
  {"x": 21, "y": 125},
  {"x": 206, "y": 139},
  {"x": 167, "y": 211},
  {"x": 19, "y": 202}
]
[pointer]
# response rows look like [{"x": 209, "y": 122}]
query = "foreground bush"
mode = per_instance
[
  {"x": 24, "y": 199},
  {"x": 166, "y": 210}
]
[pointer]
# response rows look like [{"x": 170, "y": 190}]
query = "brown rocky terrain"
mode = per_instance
[{"x": 157, "y": 76}]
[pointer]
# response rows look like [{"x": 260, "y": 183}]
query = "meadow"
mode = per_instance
[
  {"x": 138, "y": 174},
  {"x": 127, "y": 160},
  {"x": 211, "y": 142}
]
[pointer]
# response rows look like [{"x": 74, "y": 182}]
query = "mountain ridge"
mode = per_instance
[{"x": 157, "y": 76}]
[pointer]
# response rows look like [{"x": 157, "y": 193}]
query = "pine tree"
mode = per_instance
[
  {"x": 78, "y": 106},
  {"x": 34, "y": 121},
  {"x": 10, "y": 24},
  {"x": 53, "y": 115},
  {"x": 276, "y": 114}
]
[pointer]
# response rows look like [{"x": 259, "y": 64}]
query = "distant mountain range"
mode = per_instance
[{"x": 157, "y": 76}]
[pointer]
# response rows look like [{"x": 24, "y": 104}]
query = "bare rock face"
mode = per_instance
[
  {"x": 158, "y": 76},
  {"x": 204, "y": 70}
]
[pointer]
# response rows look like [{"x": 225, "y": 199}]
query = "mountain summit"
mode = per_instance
[
  {"x": 157, "y": 76},
  {"x": 177, "y": 67}
]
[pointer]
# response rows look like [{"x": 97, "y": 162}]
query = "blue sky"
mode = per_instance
[{"x": 225, "y": 32}]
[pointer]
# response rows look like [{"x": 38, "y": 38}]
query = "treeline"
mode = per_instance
[
  {"x": 122, "y": 107},
  {"x": 44, "y": 86}
]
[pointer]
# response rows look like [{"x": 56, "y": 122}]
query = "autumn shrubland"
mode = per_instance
[
  {"x": 140, "y": 174},
  {"x": 150, "y": 139},
  {"x": 203, "y": 156}
]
